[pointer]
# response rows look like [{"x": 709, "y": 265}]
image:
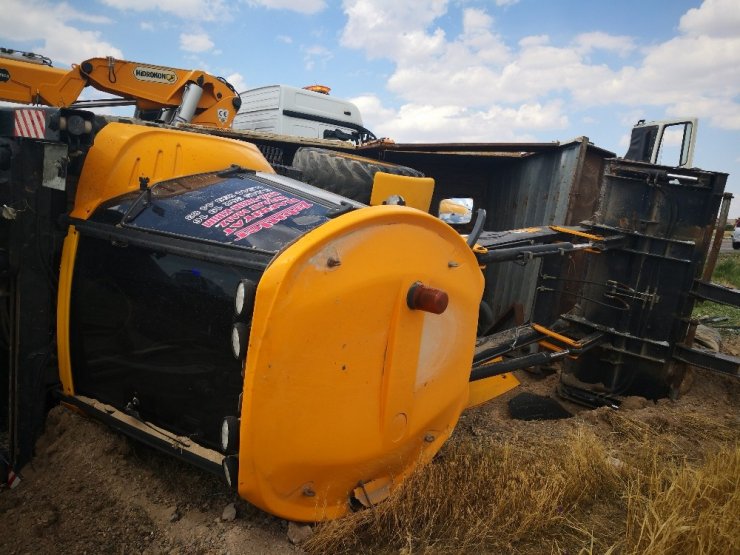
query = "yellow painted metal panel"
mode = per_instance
[
  {"x": 122, "y": 153},
  {"x": 344, "y": 383},
  {"x": 484, "y": 390},
  {"x": 416, "y": 191},
  {"x": 69, "y": 251}
]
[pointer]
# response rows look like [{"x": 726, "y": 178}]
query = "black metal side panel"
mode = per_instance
[
  {"x": 640, "y": 293},
  {"x": 31, "y": 239},
  {"x": 150, "y": 333}
]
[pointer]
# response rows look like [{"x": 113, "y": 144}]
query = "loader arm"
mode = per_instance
[{"x": 164, "y": 94}]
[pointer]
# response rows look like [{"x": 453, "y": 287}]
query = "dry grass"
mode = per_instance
[
  {"x": 479, "y": 495},
  {"x": 564, "y": 494},
  {"x": 683, "y": 509}
]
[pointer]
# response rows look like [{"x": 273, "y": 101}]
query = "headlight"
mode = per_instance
[
  {"x": 230, "y": 435},
  {"x": 239, "y": 339},
  {"x": 244, "y": 298},
  {"x": 230, "y": 466}
]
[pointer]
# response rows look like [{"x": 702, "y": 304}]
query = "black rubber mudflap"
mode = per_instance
[{"x": 528, "y": 406}]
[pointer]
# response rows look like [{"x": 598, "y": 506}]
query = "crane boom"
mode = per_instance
[
  {"x": 165, "y": 94},
  {"x": 30, "y": 79}
]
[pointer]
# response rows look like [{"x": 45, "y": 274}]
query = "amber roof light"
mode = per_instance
[{"x": 323, "y": 89}]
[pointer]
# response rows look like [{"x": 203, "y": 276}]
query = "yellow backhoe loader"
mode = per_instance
[{"x": 313, "y": 349}]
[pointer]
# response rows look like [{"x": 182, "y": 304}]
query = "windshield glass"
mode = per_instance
[{"x": 242, "y": 210}]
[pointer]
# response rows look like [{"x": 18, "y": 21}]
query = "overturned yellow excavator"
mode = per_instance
[{"x": 312, "y": 348}]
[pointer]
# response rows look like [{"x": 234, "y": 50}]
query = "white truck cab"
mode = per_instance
[
  {"x": 664, "y": 142},
  {"x": 307, "y": 112}
]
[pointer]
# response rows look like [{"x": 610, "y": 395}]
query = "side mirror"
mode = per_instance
[{"x": 456, "y": 210}]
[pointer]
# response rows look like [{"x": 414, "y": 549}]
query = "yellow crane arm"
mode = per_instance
[
  {"x": 182, "y": 95},
  {"x": 30, "y": 79},
  {"x": 200, "y": 97}
]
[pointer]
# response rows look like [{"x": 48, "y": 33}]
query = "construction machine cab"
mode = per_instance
[{"x": 664, "y": 142}]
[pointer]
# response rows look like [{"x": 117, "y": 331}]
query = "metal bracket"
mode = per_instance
[
  {"x": 714, "y": 292},
  {"x": 710, "y": 360}
]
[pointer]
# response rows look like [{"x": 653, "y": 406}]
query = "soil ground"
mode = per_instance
[{"x": 91, "y": 490}]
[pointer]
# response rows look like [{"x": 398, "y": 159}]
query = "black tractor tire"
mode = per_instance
[{"x": 345, "y": 174}]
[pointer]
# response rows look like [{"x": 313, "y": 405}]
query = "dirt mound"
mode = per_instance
[{"x": 91, "y": 490}]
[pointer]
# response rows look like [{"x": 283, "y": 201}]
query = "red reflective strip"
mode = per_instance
[
  {"x": 20, "y": 119},
  {"x": 30, "y": 123},
  {"x": 38, "y": 121},
  {"x": 20, "y": 129},
  {"x": 27, "y": 124},
  {"x": 13, "y": 480}
]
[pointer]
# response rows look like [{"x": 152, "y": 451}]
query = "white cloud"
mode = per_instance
[
  {"x": 476, "y": 19},
  {"x": 697, "y": 72},
  {"x": 285, "y": 39},
  {"x": 212, "y": 10},
  {"x": 301, "y": 6},
  {"x": 425, "y": 122},
  {"x": 689, "y": 75},
  {"x": 146, "y": 26},
  {"x": 502, "y": 3},
  {"x": 627, "y": 119},
  {"x": 371, "y": 108},
  {"x": 534, "y": 40},
  {"x": 237, "y": 81},
  {"x": 719, "y": 18},
  {"x": 430, "y": 67},
  {"x": 66, "y": 12},
  {"x": 71, "y": 45},
  {"x": 597, "y": 40},
  {"x": 195, "y": 61},
  {"x": 48, "y": 25},
  {"x": 316, "y": 54},
  {"x": 195, "y": 42},
  {"x": 393, "y": 29},
  {"x": 721, "y": 113},
  {"x": 478, "y": 38},
  {"x": 202, "y": 10}
]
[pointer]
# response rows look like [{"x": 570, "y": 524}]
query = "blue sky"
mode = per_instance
[{"x": 439, "y": 70}]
